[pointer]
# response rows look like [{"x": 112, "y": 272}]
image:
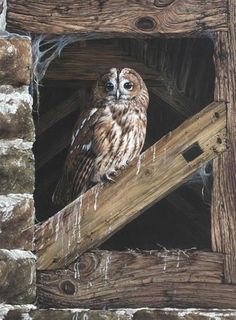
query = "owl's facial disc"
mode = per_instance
[
  {"x": 117, "y": 85},
  {"x": 124, "y": 81}
]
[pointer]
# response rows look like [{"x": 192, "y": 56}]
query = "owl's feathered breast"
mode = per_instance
[
  {"x": 105, "y": 139},
  {"x": 108, "y": 135}
]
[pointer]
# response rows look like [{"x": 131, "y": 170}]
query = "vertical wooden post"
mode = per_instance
[{"x": 224, "y": 189}]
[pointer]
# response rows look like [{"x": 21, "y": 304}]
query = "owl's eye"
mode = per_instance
[
  {"x": 109, "y": 86},
  {"x": 128, "y": 85}
]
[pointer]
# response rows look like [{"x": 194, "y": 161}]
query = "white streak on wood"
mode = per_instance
[
  {"x": 97, "y": 190},
  {"x": 76, "y": 270},
  {"x": 154, "y": 152}
]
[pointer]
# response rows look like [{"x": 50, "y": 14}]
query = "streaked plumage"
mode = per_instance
[{"x": 107, "y": 136}]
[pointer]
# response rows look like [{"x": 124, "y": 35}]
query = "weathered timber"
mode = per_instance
[
  {"x": 53, "y": 148},
  {"x": 169, "y": 294},
  {"x": 16, "y": 221},
  {"x": 87, "y": 60},
  {"x": 8, "y": 312},
  {"x": 16, "y": 113},
  {"x": 95, "y": 216},
  {"x": 120, "y": 272},
  {"x": 17, "y": 276},
  {"x": 107, "y": 19},
  {"x": 15, "y": 60},
  {"x": 224, "y": 189},
  {"x": 60, "y": 111},
  {"x": 186, "y": 66},
  {"x": 16, "y": 166}
]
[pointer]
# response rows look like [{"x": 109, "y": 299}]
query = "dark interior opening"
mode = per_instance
[{"x": 179, "y": 74}]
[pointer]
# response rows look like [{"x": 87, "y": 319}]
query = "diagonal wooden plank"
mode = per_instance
[
  {"x": 58, "y": 112},
  {"x": 104, "y": 277},
  {"x": 103, "y": 210},
  {"x": 107, "y": 19}
]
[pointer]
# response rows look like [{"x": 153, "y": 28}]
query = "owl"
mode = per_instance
[{"x": 107, "y": 136}]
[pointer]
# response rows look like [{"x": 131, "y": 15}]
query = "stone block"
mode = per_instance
[
  {"x": 17, "y": 277},
  {"x": 15, "y": 60},
  {"x": 16, "y": 113},
  {"x": 16, "y": 167},
  {"x": 16, "y": 221}
]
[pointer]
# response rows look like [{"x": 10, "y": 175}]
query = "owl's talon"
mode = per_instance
[{"x": 109, "y": 178}]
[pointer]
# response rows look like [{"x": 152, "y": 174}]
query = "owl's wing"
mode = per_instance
[{"x": 80, "y": 160}]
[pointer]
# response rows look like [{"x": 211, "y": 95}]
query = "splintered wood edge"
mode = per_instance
[{"x": 99, "y": 213}]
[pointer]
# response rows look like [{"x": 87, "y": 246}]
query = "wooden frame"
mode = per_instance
[{"x": 160, "y": 17}]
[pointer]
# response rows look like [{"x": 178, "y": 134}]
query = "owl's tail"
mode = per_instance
[{"x": 60, "y": 196}]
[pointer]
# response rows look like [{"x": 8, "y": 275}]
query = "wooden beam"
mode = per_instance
[
  {"x": 105, "y": 277},
  {"x": 95, "y": 216},
  {"x": 224, "y": 188},
  {"x": 53, "y": 148},
  {"x": 96, "y": 19},
  {"x": 86, "y": 60},
  {"x": 60, "y": 111},
  {"x": 165, "y": 91}
]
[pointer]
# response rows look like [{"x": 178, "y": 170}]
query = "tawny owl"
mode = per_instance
[{"x": 107, "y": 136}]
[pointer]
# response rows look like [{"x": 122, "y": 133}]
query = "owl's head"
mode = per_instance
[{"x": 125, "y": 84}]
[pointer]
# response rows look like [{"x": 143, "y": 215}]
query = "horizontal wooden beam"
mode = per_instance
[
  {"x": 96, "y": 19},
  {"x": 105, "y": 277},
  {"x": 86, "y": 60},
  {"x": 103, "y": 210}
]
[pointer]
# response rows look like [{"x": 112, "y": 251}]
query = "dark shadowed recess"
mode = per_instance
[{"x": 179, "y": 74}]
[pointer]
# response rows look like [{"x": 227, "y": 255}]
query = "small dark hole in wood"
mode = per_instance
[
  {"x": 68, "y": 287},
  {"x": 217, "y": 115},
  {"x": 192, "y": 152},
  {"x": 146, "y": 23},
  {"x": 163, "y": 3},
  {"x": 219, "y": 140}
]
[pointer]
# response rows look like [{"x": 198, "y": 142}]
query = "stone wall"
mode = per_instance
[{"x": 17, "y": 263}]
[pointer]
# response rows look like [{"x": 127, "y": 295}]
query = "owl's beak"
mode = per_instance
[{"x": 118, "y": 94}]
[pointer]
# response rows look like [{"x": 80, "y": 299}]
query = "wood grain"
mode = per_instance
[
  {"x": 87, "y": 59},
  {"x": 224, "y": 189},
  {"x": 95, "y": 216},
  {"x": 106, "y": 19},
  {"x": 60, "y": 111},
  {"x": 102, "y": 277},
  {"x": 186, "y": 67}
]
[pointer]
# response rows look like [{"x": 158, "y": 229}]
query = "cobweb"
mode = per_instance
[{"x": 44, "y": 51}]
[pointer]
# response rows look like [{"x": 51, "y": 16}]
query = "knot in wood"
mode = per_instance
[
  {"x": 88, "y": 264},
  {"x": 163, "y": 3},
  {"x": 145, "y": 23},
  {"x": 68, "y": 287}
]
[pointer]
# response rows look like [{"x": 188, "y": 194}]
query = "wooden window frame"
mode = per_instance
[{"x": 169, "y": 20}]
